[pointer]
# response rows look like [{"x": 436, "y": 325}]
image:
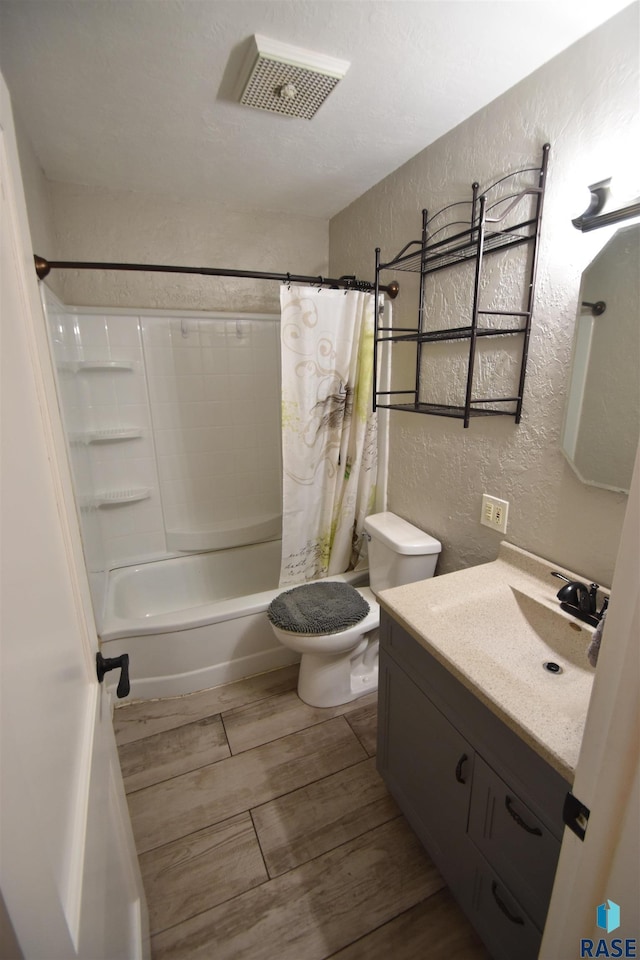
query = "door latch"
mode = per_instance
[
  {"x": 575, "y": 815},
  {"x": 105, "y": 664}
]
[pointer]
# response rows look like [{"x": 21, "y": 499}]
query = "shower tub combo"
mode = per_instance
[{"x": 193, "y": 622}]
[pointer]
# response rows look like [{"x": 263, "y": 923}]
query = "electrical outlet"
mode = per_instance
[{"x": 494, "y": 513}]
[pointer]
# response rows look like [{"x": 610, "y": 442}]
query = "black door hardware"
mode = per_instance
[
  {"x": 104, "y": 664},
  {"x": 508, "y": 802},
  {"x": 575, "y": 815},
  {"x": 461, "y": 762}
]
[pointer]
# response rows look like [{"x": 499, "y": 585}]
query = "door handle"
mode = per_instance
[
  {"x": 510, "y": 916},
  {"x": 461, "y": 762},
  {"x": 105, "y": 664},
  {"x": 536, "y": 831}
]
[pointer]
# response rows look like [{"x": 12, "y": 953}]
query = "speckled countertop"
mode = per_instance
[{"x": 493, "y": 627}]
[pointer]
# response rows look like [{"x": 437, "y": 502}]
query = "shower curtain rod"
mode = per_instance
[{"x": 348, "y": 282}]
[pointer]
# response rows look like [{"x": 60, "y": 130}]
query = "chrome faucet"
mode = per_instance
[{"x": 581, "y": 600}]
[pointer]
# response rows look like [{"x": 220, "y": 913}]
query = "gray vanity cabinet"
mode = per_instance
[
  {"x": 427, "y": 764},
  {"x": 487, "y": 808}
]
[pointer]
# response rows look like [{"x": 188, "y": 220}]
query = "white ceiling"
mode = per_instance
[{"x": 137, "y": 94}]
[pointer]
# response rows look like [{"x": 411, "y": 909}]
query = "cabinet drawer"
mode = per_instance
[
  {"x": 502, "y": 922},
  {"x": 514, "y": 841}
]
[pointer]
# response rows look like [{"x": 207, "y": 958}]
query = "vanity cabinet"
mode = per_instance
[
  {"x": 487, "y": 808},
  {"x": 429, "y": 775}
]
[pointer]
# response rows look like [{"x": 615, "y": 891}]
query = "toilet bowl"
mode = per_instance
[{"x": 342, "y": 665}]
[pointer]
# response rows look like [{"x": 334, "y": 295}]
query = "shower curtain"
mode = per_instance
[{"x": 329, "y": 431}]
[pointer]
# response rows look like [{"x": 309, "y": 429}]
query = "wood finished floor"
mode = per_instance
[{"x": 264, "y": 832}]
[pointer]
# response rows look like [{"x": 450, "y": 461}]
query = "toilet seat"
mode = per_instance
[
  {"x": 333, "y": 643},
  {"x": 319, "y": 608}
]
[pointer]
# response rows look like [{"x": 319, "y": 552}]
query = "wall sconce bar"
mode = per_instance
[{"x": 597, "y": 215}]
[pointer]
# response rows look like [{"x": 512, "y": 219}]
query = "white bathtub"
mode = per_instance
[{"x": 189, "y": 623}]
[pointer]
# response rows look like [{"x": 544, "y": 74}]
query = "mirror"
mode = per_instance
[{"x": 602, "y": 420}]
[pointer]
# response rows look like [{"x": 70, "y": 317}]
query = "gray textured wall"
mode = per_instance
[
  {"x": 585, "y": 103},
  {"x": 106, "y": 225}
]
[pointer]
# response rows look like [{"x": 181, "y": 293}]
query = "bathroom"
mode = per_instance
[{"x": 551, "y": 513}]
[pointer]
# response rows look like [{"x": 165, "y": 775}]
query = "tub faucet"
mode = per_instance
[{"x": 580, "y": 600}]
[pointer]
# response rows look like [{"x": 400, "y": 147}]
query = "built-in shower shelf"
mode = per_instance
[
  {"x": 107, "y": 435},
  {"x": 77, "y": 366},
  {"x": 112, "y": 498},
  {"x": 226, "y": 533}
]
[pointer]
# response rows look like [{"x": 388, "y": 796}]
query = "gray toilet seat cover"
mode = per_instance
[{"x": 323, "y": 607}]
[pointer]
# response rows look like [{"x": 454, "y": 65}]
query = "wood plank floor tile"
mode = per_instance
[
  {"x": 314, "y": 819},
  {"x": 364, "y": 723},
  {"x": 174, "y": 808},
  {"x": 435, "y": 929},
  {"x": 269, "y": 719},
  {"x": 136, "y": 720},
  {"x": 316, "y": 909},
  {"x": 172, "y": 752},
  {"x": 195, "y": 873}
]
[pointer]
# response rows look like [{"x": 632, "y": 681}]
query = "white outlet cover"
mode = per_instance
[{"x": 494, "y": 513}]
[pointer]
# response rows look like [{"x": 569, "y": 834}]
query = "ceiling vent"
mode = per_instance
[{"x": 287, "y": 80}]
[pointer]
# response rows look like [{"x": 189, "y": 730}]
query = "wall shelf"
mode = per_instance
[
  {"x": 447, "y": 241},
  {"x": 449, "y": 410}
]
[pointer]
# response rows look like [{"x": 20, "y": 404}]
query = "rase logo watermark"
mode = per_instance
[{"x": 608, "y": 918}]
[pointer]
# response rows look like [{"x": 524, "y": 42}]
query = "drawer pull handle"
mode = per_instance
[
  {"x": 536, "y": 831},
  {"x": 461, "y": 762},
  {"x": 503, "y": 906}
]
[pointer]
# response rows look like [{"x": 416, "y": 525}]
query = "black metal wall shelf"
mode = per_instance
[{"x": 487, "y": 231}]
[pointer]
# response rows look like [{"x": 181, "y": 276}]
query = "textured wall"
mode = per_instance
[
  {"x": 584, "y": 102},
  {"x": 37, "y": 195},
  {"x": 103, "y": 225}
]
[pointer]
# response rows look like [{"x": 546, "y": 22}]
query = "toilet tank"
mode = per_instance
[{"x": 398, "y": 552}]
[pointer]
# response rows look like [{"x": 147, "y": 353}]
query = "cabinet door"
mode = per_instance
[
  {"x": 427, "y": 766},
  {"x": 514, "y": 841}
]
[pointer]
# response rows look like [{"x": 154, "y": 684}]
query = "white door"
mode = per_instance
[{"x": 69, "y": 876}]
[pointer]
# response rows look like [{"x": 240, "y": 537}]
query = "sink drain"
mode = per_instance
[{"x": 552, "y": 667}]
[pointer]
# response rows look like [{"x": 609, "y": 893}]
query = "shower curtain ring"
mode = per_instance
[
  {"x": 320, "y": 282},
  {"x": 289, "y": 282}
]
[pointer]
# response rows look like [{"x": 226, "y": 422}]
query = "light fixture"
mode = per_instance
[
  {"x": 603, "y": 209},
  {"x": 288, "y": 80}
]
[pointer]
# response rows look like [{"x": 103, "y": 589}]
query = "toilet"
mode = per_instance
[{"x": 340, "y": 664}]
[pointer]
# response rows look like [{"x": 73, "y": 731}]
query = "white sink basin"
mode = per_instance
[
  {"x": 555, "y": 634},
  {"x": 495, "y": 627}
]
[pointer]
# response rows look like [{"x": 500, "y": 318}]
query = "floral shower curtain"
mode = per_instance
[{"x": 329, "y": 430}]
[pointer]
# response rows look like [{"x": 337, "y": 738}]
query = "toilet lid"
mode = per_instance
[{"x": 323, "y": 607}]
